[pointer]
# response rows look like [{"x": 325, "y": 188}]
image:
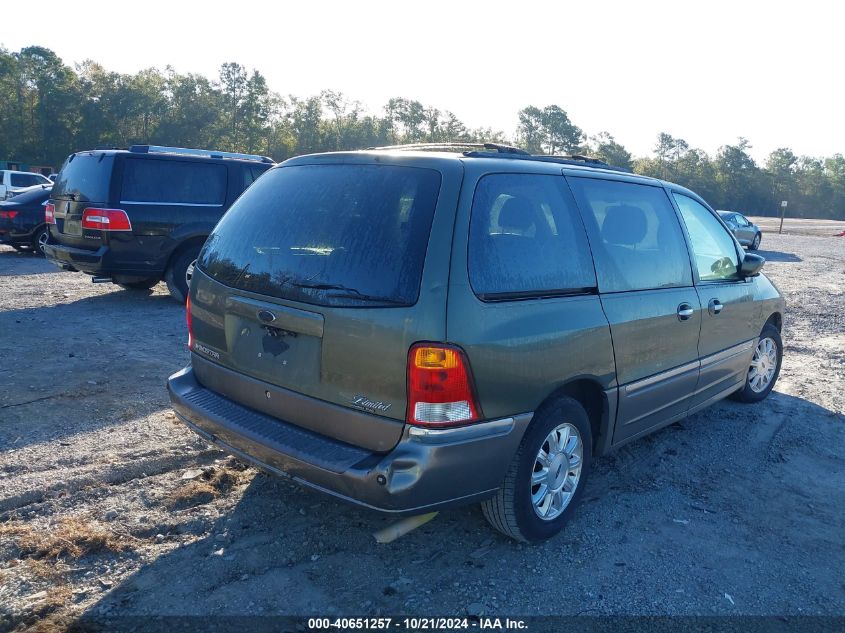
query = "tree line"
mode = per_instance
[{"x": 49, "y": 110}]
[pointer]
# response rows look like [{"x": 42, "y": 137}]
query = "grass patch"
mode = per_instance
[
  {"x": 209, "y": 486},
  {"x": 72, "y": 537}
]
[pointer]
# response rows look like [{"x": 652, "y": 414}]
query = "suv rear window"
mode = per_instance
[
  {"x": 334, "y": 235},
  {"x": 526, "y": 239},
  {"x": 85, "y": 178},
  {"x": 173, "y": 182}
]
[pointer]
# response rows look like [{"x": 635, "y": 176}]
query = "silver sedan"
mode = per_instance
[{"x": 748, "y": 233}]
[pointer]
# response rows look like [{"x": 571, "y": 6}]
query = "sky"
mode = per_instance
[{"x": 705, "y": 71}]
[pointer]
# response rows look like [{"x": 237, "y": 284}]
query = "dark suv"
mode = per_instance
[
  {"x": 409, "y": 330},
  {"x": 134, "y": 217}
]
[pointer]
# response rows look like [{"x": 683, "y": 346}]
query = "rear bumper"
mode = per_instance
[
  {"x": 426, "y": 470},
  {"x": 16, "y": 232},
  {"x": 99, "y": 263}
]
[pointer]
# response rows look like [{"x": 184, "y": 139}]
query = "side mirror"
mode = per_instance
[{"x": 751, "y": 265}]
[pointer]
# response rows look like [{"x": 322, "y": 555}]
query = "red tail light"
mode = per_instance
[
  {"x": 106, "y": 220},
  {"x": 440, "y": 387},
  {"x": 50, "y": 213},
  {"x": 8, "y": 215},
  {"x": 190, "y": 325}
]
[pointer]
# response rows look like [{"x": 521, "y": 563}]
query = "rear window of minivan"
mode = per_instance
[
  {"x": 85, "y": 178},
  {"x": 333, "y": 235}
]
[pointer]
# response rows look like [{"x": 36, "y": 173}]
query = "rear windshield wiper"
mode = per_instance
[{"x": 346, "y": 292}]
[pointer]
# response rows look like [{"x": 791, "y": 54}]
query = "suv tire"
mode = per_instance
[
  {"x": 512, "y": 510},
  {"x": 175, "y": 276},
  {"x": 764, "y": 358}
]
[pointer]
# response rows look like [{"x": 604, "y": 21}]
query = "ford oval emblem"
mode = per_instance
[{"x": 265, "y": 316}]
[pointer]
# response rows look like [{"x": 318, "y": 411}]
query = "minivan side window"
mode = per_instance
[
  {"x": 526, "y": 239},
  {"x": 635, "y": 235},
  {"x": 716, "y": 258},
  {"x": 173, "y": 182}
]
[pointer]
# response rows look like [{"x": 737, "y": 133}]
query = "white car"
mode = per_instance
[{"x": 13, "y": 182}]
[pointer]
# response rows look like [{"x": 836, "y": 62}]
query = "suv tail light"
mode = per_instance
[
  {"x": 8, "y": 215},
  {"x": 50, "y": 213},
  {"x": 190, "y": 324},
  {"x": 440, "y": 387},
  {"x": 106, "y": 220}
]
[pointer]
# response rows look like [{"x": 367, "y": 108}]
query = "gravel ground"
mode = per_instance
[{"x": 108, "y": 506}]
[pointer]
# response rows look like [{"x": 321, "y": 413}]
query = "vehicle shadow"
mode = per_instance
[
  {"x": 682, "y": 507},
  {"x": 13, "y": 263},
  {"x": 778, "y": 256}
]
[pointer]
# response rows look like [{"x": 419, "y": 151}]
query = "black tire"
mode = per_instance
[
  {"x": 755, "y": 243},
  {"x": 144, "y": 284},
  {"x": 747, "y": 393},
  {"x": 511, "y": 510},
  {"x": 177, "y": 284},
  {"x": 39, "y": 239}
]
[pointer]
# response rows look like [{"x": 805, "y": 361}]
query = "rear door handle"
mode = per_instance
[
  {"x": 685, "y": 311},
  {"x": 715, "y": 306}
]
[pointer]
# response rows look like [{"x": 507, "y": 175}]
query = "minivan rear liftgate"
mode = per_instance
[{"x": 307, "y": 297}]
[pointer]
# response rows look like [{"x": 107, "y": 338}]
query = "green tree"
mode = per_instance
[{"x": 605, "y": 147}]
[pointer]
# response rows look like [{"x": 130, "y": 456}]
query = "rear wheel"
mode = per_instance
[
  {"x": 765, "y": 367},
  {"x": 755, "y": 243},
  {"x": 180, "y": 272},
  {"x": 546, "y": 478},
  {"x": 40, "y": 239}
]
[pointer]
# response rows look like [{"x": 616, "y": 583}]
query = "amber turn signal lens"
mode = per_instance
[{"x": 435, "y": 358}]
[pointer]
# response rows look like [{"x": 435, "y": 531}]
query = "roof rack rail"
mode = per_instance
[
  {"x": 574, "y": 159},
  {"x": 208, "y": 153},
  {"x": 496, "y": 147}
]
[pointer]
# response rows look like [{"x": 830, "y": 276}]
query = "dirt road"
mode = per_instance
[{"x": 109, "y": 506}]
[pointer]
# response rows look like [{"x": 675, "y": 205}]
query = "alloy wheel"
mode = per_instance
[
  {"x": 189, "y": 272},
  {"x": 763, "y": 365},
  {"x": 556, "y": 472},
  {"x": 43, "y": 238}
]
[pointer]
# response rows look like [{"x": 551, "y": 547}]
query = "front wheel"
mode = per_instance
[
  {"x": 546, "y": 478},
  {"x": 180, "y": 272},
  {"x": 765, "y": 367},
  {"x": 755, "y": 244}
]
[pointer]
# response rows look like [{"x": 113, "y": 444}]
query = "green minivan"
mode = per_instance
[{"x": 413, "y": 328}]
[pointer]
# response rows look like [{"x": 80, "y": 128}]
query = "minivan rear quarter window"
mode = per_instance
[
  {"x": 634, "y": 233},
  {"x": 334, "y": 235},
  {"x": 526, "y": 239},
  {"x": 85, "y": 177},
  {"x": 173, "y": 182}
]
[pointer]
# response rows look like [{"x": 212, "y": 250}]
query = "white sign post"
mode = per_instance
[{"x": 782, "y": 213}]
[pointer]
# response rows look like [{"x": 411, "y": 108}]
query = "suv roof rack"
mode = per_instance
[
  {"x": 208, "y": 153},
  {"x": 498, "y": 150},
  {"x": 573, "y": 159},
  {"x": 492, "y": 147}
]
